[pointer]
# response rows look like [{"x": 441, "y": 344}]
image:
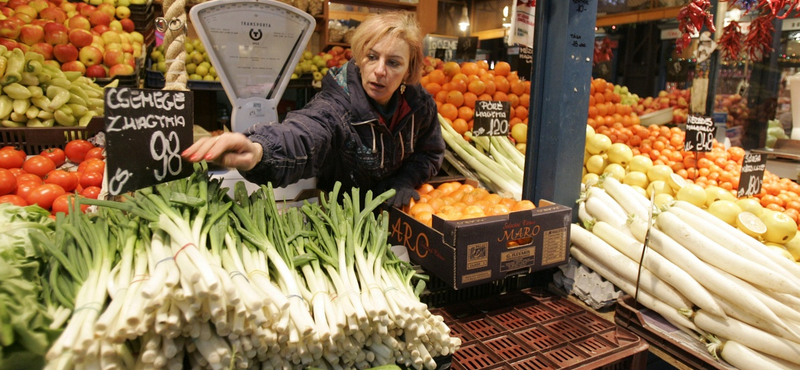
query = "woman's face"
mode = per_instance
[{"x": 384, "y": 68}]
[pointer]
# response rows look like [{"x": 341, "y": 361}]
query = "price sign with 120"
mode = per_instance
[
  {"x": 752, "y": 175},
  {"x": 146, "y": 131},
  {"x": 491, "y": 118},
  {"x": 699, "y": 134}
]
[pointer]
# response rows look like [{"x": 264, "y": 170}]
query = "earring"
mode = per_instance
[{"x": 402, "y": 88}]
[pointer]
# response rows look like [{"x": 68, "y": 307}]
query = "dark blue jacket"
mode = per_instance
[{"x": 338, "y": 136}]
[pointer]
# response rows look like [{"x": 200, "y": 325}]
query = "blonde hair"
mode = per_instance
[{"x": 400, "y": 24}]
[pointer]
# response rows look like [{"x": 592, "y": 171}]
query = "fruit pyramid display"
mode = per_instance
[
  {"x": 97, "y": 41},
  {"x": 318, "y": 65}
]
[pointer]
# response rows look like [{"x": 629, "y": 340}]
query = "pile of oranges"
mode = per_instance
[
  {"x": 457, "y": 87},
  {"x": 605, "y": 110},
  {"x": 457, "y": 201}
]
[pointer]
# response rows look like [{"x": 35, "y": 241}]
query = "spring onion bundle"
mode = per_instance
[{"x": 185, "y": 273}]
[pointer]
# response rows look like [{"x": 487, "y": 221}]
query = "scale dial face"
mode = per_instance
[{"x": 255, "y": 44}]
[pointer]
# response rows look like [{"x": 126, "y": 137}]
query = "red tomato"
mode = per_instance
[
  {"x": 17, "y": 171},
  {"x": 13, "y": 199},
  {"x": 92, "y": 165},
  {"x": 57, "y": 155},
  {"x": 14, "y": 149},
  {"x": 29, "y": 177},
  {"x": 65, "y": 202},
  {"x": 45, "y": 195},
  {"x": 10, "y": 159},
  {"x": 91, "y": 192},
  {"x": 76, "y": 150},
  {"x": 67, "y": 180},
  {"x": 8, "y": 182},
  {"x": 96, "y": 152},
  {"x": 25, "y": 188},
  {"x": 92, "y": 179},
  {"x": 38, "y": 165}
]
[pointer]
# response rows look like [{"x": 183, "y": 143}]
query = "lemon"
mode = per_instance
[
  {"x": 780, "y": 227},
  {"x": 725, "y": 210},
  {"x": 590, "y": 179},
  {"x": 598, "y": 144},
  {"x": 620, "y": 153},
  {"x": 692, "y": 193},
  {"x": 793, "y": 246},
  {"x": 589, "y": 132},
  {"x": 636, "y": 178},
  {"x": 658, "y": 187},
  {"x": 663, "y": 199},
  {"x": 779, "y": 250},
  {"x": 640, "y": 163},
  {"x": 751, "y": 205},
  {"x": 659, "y": 172},
  {"x": 640, "y": 190},
  {"x": 750, "y": 224},
  {"x": 615, "y": 170},
  {"x": 596, "y": 164},
  {"x": 715, "y": 193}
]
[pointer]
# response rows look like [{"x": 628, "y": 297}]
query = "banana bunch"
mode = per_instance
[{"x": 37, "y": 94}]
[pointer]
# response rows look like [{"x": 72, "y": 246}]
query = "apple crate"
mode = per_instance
[{"x": 33, "y": 140}]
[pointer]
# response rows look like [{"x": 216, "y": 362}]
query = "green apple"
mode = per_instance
[
  {"x": 307, "y": 55},
  {"x": 201, "y": 70},
  {"x": 191, "y": 68}
]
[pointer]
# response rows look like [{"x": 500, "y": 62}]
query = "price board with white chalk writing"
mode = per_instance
[
  {"x": 491, "y": 118},
  {"x": 700, "y": 133},
  {"x": 752, "y": 175},
  {"x": 146, "y": 131}
]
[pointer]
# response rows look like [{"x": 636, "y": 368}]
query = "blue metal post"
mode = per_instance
[{"x": 560, "y": 81}]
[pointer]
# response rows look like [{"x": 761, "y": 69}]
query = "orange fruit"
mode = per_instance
[
  {"x": 514, "y": 99},
  {"x": 518, "y": 87},
  {"x": 433, "y": 88},
  {"x": 424, "y": 80},
  {"x": 441, "y": 96},
  {"x": 485, "y": 96},
  {"x": 469, "y": 68},
  {"x": 502, "y": 69},
  {"x": 465, "y": 113},
  {"x": 451, "y": 69},
  {"x": 500, "y": 96},
  {"x": 523, "y": 205},
  {"x": 521, "y": 112},
  {"x": 455, "y": 97},
  {"x": 515, "y": 120},
  {"x": 482, "y": 64},
  {"x": 449, "y": 111},
  {"x": 469, "y": 99},
  {"x": 436, "y": 76},
  {"x": 459, "y": 85},
  {"x": 477, "y": 87},
  {"x": 460, "y": 125},
  {"x": 502, "y": 84},
  {"x": 490, "y": 87}
]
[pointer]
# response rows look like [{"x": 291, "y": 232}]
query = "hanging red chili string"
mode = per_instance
[
  {"x": 691, "y": 18},
  {"x": 602, "y": 51},
  {"x": 730, "y": 44},
  {"x": 759, "y": 37},
  {"x": 779, "y": 8}
]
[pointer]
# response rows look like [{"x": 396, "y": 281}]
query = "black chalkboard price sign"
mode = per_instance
[
  {"x": 752, "y": 175},
  {"x": 699, "y": 134},
  {"x": 491, "y": 118},
  {"x": 146, "y": 130}
]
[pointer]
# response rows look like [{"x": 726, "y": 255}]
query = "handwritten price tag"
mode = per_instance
[
  {"x": 491, "y": 118},
  {"x": 699, "y": 134},
  {"x": 752, "y": 175},
  {"x": 146, "y": 130}
]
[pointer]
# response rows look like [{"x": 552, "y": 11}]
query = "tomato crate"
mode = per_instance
[
  {"x": 557, "y": 335},
  {"x": 664, "y": 336},
  {"x": 35, "y": 139}
]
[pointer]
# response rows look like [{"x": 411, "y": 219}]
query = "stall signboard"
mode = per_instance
[
  {"x": 146, "y": 131},
  {"x": 752, "y": 175},
  {"x": 491, "y": 118},
  {"x": 699, "y": 134},
  {"x": 438, "y": 46}
]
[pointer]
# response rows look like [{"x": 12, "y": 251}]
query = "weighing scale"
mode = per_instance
[{"x": 254, "y": 46}]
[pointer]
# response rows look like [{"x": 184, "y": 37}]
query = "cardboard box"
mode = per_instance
[{"x": 475, "y": 251}]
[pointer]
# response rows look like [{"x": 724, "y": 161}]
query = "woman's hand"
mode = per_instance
[{"x": 231, "y": 149}]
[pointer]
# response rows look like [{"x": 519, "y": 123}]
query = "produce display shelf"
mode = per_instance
[
  {"x": 664, "y": 336},
  {"x": 33, "y": 140},
  {"x": 534, "y": 329}
]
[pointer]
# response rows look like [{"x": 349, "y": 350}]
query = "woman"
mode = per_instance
[{"x": 372, "y": 126}]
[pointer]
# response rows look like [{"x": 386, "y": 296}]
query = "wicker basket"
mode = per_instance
[
  {"x": 348, "y": 36},
  {"x": 315, "y": 7}
]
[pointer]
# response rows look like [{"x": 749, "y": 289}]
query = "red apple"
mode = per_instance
[
  {"x": 56, "y": 37},
  {"x": 127, "y": 25},
  {"x": 26, "y": 9},
  {"x": 74, "y": 65},
  {"x": 9, "y": 43},
  {"x": 121, "y": 69},
  {"x": 113, "y": 57},
  {"x": 348, "y": 54},
  {"x": 9, "y": 28},
  {"x": 40, "y": 4},
  {"x": 69, "y": 7},
  {"x": 79, "y": 22},
  {"x": 65, "y": 52},
  {"x": 90, "y": 56},
  {"x": 98, "y": 18},
  {"x": 107, "y": 8},
  {"x": 31, "y": 34},
  {"x": 13, "y": 4},
  {"x": 22, "y": 18},
  {"x": 100, "y": 29},
  {"x": 86, "y": 9},
  {"x": 111, "y": 37},
  {"x": 129, "y": 60},
  {"x": 55, "y": 14},
  {"x": 96, "y": 71},
  {"x": 80, "y": 37},
  {"x": 52, "y": 63},
  {"x": 43, "y": 48},
  {"x": 115, "y": 25},
  {"x": 40, "y": 22}
]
